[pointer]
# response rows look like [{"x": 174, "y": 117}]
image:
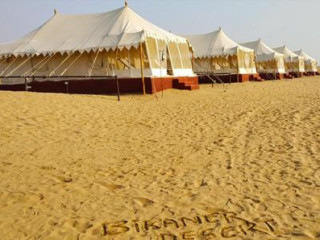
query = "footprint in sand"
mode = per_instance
[
  {"x": 143, "y": 202},
  {"x": 234, "y": 206},
  {"x": 81, "y": 225},
  {"x": 111, "y": 187}
]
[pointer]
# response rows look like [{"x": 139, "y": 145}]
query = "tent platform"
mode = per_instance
[
  {"x": 296, "y": 74},
  {"x": 108, "y": 86},
  {"x": 271, "y": 76},
  {"x": 288, "y": 76},
  {"x": 311, "y": 74},
  {"x": 154, "y": 85},
  {"x": 230, "y": 78}
]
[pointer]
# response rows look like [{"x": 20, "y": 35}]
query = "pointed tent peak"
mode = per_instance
[
  {"x": 288, "y": 54},
  {"x": 262, "y": 50},
  {"x": 303, "y": 54},
  {"x": 122, "y": 27},
  {"x": 210, "y": 34},
  {"x": 55, "y": 11},
  {"x": 125, "y": 3},
  {"x": 220, "y": 31},
  {"x": 215, "y": 43},
  {"x": 281, "y": 49}
]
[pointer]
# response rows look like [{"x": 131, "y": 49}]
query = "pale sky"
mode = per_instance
[{"x": 295, "y": 23}]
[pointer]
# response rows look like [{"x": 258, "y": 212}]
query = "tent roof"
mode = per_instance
[
  {"x": 303, "y": 54},
  {"x": 288, "y": 54},
  {"x": 214, "y": 44},
  {"x": 69, "y": 33},
  {"x": 262, "y": 50}
]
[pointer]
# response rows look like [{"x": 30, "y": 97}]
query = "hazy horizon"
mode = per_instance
[{"x": 277, "y": 22}]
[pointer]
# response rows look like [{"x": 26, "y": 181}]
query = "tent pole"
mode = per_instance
[
  {"x": 238, "y": 70},
  {"x": 153, "y": 86},
  {"x": 25, "y": 84},
  {"x": 129, "y": 61},
  {"x": 94, "y": 62},
  {"x": 192, "y": 59},
  {"x": 118, "y": 89},
  {"x": 211, "y": 63},
  {"x": 161, "y": 79},
  {"x": 142, "y": 69}
]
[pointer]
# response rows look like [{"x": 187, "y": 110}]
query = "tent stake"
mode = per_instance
[
  {"x": 161, "y": 79},
  {"x": 25, "y": 84},
  {"x": 118, "y": 89},
  {"x": 67, "y": 86},
  {"x": 142, "y": 70}
]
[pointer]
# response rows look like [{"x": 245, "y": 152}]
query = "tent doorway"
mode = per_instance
[{"x": 169, "y": 64}]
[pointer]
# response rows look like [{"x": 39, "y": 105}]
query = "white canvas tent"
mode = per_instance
[
  {"x": 118, "y": 42},
  {"x": 216, "y": 52},
  {"x": 267, "y": 60},
  {"x": 293, "y": 62},
  {"x": 310, "y": 63}
]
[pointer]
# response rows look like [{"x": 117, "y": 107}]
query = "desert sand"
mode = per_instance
[{"x": 239, "y": 161}]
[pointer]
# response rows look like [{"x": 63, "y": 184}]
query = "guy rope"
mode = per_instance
[{"x": 53, "y": 71}]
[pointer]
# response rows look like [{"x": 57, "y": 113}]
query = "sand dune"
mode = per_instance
[{"x": 239, "y": 161}]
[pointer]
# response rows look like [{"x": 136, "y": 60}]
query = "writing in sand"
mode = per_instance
[{"x": 219, "y": 224}]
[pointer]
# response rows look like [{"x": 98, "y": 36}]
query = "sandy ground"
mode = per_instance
[{"x": 240, "y": 161}]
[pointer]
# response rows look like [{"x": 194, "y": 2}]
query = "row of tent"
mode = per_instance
[
  {"x": 216, "y": 52},
  {"x": 122, "y": 43}
]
